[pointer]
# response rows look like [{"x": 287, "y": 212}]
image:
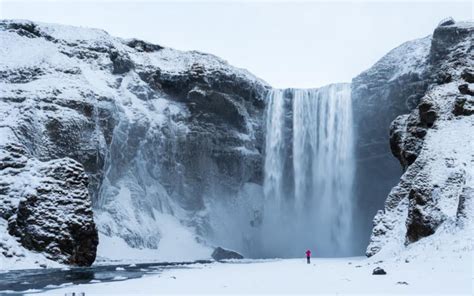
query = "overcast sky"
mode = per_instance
[{"x": 288, "y": 44}]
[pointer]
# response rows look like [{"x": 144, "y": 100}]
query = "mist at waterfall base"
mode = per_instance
[{"x": 306, "y": 199}]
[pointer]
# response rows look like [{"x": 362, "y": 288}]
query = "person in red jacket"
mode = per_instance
[{"x": 308, "y": 256}]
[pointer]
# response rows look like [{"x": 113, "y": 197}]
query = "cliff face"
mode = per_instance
[
  {"x": 435, "y": 146},
  {"x": 156, "y": 130},
  {"x": 393, "y": 86}
]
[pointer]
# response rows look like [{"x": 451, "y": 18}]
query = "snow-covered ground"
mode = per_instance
[
  {"x": 439, "y": 264},
  {"x": 293, "y": 276}
]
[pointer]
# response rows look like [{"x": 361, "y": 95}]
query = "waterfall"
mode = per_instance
[{"x": 309, "y": 170}]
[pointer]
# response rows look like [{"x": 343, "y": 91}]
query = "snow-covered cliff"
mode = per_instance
[
  {"x": 391, "y": 87},
  {"x": 435, "y": 145},
  {"x": 159, "y": 132}
]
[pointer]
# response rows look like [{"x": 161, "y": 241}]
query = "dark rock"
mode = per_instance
[
  {"x": 424, "y": 212},
  {"x": 23, "y": 75},
  {"x": 444, "y": 39},
  {"x": 222, "y": 108},
  {"x": 24, "y": 28},
  {"x": 427, "y": 113},
  {"x": 406, "y": 148},
  {"x": 143, "y": 46},
  {"x": 419, "y": 224},
  {"x": 15, "y": 156},
  {"x": 468, "y": 75},
  {"x": 465, "y": 90},
  {"x": 27, "y": 29},
  {"x": 152, "y": 79},
  {"x": 54, "y": 216},
  {"x": 463, "y": 106},
  {"x": 443, "y": 77},
  {"x": 223, "y": 254},
  {"x": 379, "y": 271},
  {"x": 121, "y": 63}
]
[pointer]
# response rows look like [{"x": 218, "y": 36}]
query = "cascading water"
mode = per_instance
[{"x": 309, "y": 169}]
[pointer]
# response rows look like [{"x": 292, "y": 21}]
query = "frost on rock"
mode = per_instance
[
  {"x": 435, "y": 146},
  {"x": 47, "y": 206}
]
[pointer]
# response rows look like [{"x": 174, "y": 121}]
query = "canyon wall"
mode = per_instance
[{"x": 103, "y": 137}]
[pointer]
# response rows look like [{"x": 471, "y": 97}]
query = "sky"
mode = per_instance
[{"x": 288, "y": 44}]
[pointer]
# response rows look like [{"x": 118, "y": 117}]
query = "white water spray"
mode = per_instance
[{"x": 309, "y": 170}]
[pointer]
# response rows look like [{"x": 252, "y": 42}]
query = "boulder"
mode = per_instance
[
  {"x": 465, "y": 90},
  {"x": 463, "y": 106},
  {"x": 379, "y": 271},
  {"x": 223, "y": 254},
  {"x": 468, "y": 75}
]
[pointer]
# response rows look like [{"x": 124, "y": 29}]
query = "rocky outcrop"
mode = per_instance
[
  {"x": 379, "y": 271},
  {"x": 434, "y": 146},
  {"x": 47, "y": 205}
]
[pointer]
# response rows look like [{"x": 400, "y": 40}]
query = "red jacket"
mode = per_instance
[{"x": 308, "y": 253}]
